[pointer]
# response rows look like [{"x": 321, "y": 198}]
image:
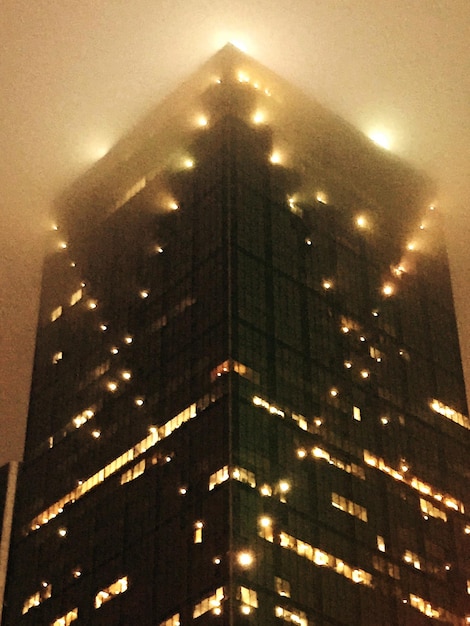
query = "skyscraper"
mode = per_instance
[{"x": 247, "y": 402}]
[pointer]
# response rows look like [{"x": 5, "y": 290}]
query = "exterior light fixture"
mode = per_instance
[{"x": 245, "y": 559}]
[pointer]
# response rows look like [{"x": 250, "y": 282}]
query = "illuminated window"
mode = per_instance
[
  {"x": 357, "y": 413},
  {"x": 380, "y": 543},
  {"x": 350, "y": 468},
  {"x": 82, "y": 418},
  {"x": 450, "y": 414},
  {"x": 37, "y": 598},
  {"x": 174, "y": 620},
  {"x": 413, "y": 482},
  {"x": 56, "y": 313},
  {"x": 376, "y": 354},
  {"x": 433, "y": 511},
  {"x": 234, "y": 366},
  {"x": 282, "y": 587},
  {"x": 58, "y": 356},
  {"x": 412, "y": 559},
  {"x": 76, "y": 296},
  {"x": 67, "y": 619},
  {"x": 425, "y": 607},
  {"x": 210, "y": 603},
  {"x": 198, "y": 527},
  {"x": 295, "y": 617},
  {"x": 323, "y": 559},
  {"x": 118, "y": 587},
  {"x": 248, "y": 597},
  {"x": 131, "y": 192},
  {"x": 243, "y": 476},
  {"x": 134, "y": 472},
  {"x": 265, "y": 525},
  {"x": 348, "y": 506},
  {"x": 218, "y": 477},
  {"x": 271, "y": 408}
]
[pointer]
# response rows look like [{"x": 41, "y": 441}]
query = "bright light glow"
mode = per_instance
[
  {"x": 126, "y": 375},
  {"x": 348, "y": 365},
  {"x": 265, "y": 522},
  {"x": 411, "y": 246},
  {"x": 275, "y": 158},
  {"x": 202, "y": 121},
  {"x": 62, "y": 245},
  {"x": 128, "y": 339},
  {"x": 388, "y": 289},
  {"x": 361, "y": 221},
  {"x": 55, "y": 227},
  {"x": 258, "y": 117},
  {"x": 333, "y": 392},
  {"x": 246, "y": 610},
  {"x": 239, "y": 44},
  {"x": 321, "y": 197},
  {"x": 62, "y": 532},
  {"x": 112, "y": 386},
  {"x": 245, "y": 559},
  {"x": 284, "y": 486},
  {"x": 380, "y": 138},
  {"x": 327, "y": 284},
  {"x": 144, "y": 293},
  {"x": 96, "y": 434},
  {"x": 188, "y": 163},
  {"x": 139, "y": 401},
  {"x": 174, "y": 206}
]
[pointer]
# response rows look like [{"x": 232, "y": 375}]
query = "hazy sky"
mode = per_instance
[{"x": 76, "y": 74}]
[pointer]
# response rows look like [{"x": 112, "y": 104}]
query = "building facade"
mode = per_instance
[{"x": 247, "y": 403}]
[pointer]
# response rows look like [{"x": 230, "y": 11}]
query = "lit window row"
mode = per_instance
[
  {"x": 111, "y": 468},
  {"x": 430, "y": 611},
  {"x": 179, "y": 308},
  {"x": 107, "y": 594},
  {"x": 323, "y": 559},
  {"x": 321, "y": 453},
  {"x": 66, "y": 619},
  {"x": 271, "y": 408},
  {"x": 237, "y": 473},
  {"x": 234, "y": 366},
  {"x": 174, "y": 620},
  {"x": 82, "y": 418},
  {"x": 131, "y": 192},
  {"x": 412, "y": 481},
  {"x": 37, "y": 598},
  {"x": 451, "y": 414},
  {"x": 134, "y": 472},
  {"x": 429, "y": 509},
  {"x": 294, "y": 617},
  {"x": 211, "y": 603},
  {"x": 348, "y": 506}
]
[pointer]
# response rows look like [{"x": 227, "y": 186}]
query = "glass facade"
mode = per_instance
[{"x": 258, "y": 413}]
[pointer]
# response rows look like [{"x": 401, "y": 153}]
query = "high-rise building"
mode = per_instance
[{"x": 247, "y": 403}]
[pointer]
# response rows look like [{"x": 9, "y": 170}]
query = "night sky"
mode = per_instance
[{"x": 77, "y": 74}]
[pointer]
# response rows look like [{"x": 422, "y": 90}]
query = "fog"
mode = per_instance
[{"x": 76, "y": 75}]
